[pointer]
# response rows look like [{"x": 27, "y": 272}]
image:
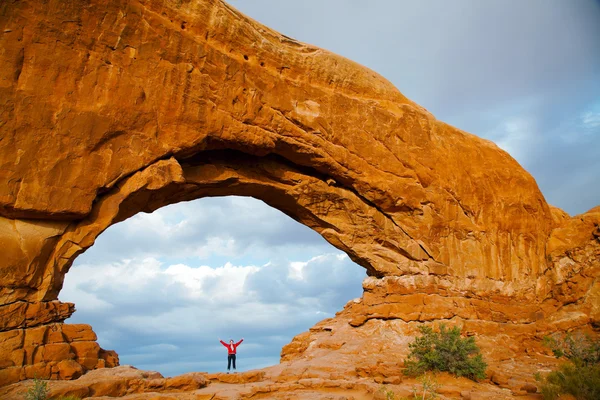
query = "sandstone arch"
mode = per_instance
[{"x": 109, "y": 108}]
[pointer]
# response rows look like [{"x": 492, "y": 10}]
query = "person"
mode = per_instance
[{"x": 231, "y": 352}]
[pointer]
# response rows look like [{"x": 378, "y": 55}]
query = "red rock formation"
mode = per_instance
[
  {"x": 54, "y": 351},
  {"x": 109, "y": 108}
]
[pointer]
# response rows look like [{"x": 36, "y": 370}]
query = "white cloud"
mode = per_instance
[
  {"x": 85, "y": 301},
  {"x": 518, "y": 135},
  {"x": 226, "y": 282},
  {"x": 211, "y": 230},
  {"x": 582, "y": 129},
  {"x": 591, "y": 119},
  {"x": 296, "y": 268},
  {"x": 156, "y": 313}
]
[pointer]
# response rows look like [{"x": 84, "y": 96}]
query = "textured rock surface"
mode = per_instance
[
  {"x": 55, "y": 351},
  {"x": 115, "y": 382},
  {"x": 109, "y": 108}
]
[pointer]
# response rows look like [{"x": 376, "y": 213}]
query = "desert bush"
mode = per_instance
[
  {"x": 580, "y": 376},
  {"x": 39, "y": 390},
  {"x": 580, "y": 381},
  {"x": 579, "y": 348},
  {"x": 445, "y": 351}
]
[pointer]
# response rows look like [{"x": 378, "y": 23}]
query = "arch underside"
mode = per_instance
[
  {"x": 401, "y": 264},
  {"x": 353, "y": 224}
]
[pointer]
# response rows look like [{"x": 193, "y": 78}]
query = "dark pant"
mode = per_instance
[{"x": 230, "y": 358}]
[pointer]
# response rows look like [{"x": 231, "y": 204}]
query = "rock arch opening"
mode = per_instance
[
  {"x": 160, "y": 288},
  {"x": 336, "y": 213}
]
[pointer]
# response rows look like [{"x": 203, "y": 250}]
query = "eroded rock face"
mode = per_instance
[
  {"x": 109, "y": 108},
  {"x": 53, "y": 351}
]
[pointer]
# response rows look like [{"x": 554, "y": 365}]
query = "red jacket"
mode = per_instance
[{"x": 231, "y": 348}]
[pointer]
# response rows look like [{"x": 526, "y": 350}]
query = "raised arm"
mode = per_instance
[
  {"x": 238, "y": 343},
  {"x": 223, "y": 343}
]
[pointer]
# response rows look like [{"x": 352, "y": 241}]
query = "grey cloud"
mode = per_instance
[
  {"x": 327, "y": 279},
  {"x": 252, "y": 228},
  {"x": 156, "y": 322}
]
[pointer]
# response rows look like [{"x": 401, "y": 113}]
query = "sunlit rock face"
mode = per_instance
[{"x": 109, "y": 108}]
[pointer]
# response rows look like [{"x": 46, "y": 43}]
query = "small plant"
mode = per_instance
[
  {"x": 39, "y": 390},
  {"x": 446, "y": 351},
  {"x": 580, "y": 377},
  {"x": 428, "y": 389},
  {"x": 389, "y": 394}
]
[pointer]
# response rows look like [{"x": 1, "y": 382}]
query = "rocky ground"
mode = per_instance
[
  {"x": 278, "y": 382},
  {"x": 334, "y": 360}
]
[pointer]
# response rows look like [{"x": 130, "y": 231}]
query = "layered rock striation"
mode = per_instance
[{"x": 110, "y": 108}]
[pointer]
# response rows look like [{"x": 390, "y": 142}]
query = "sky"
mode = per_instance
[{"x": 161, "y": 288}]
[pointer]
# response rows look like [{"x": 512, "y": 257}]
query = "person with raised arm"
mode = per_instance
[{"x": 231, "y": 352}]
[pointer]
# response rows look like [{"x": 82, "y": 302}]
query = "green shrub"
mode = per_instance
[
  {"x": 581, "y": 381},
  {"x": 580, "y": 348},
  {"x": 39, "y": 390},
  {"x": 580, "y": 377},
  {"x": 446, "y": 351}
]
